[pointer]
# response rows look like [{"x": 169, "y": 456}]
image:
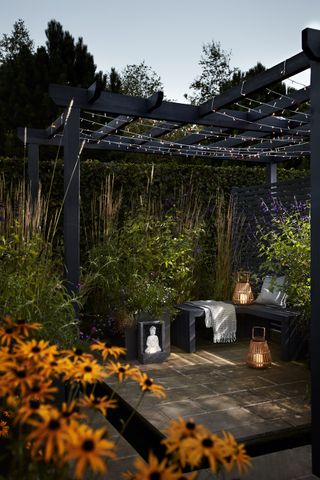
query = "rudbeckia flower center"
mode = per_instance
[
  {"x": 35, "y": 349},
  {"x": 53, "y": 364},
  {"x": 107, "y": 344},
  {"x": 96, "y": 401},
  {"x": 148, "y": 382},
  {"x": 155, "y": 476},
  {"x": 54, "y": 425},
  {"x": 207, "y": 442},
  {"x": 190, "y": 425},
  {"x": 9, "y": 330},
  {"x": 34, "y": 404},
  {"x": 78, "y": 352},
  {"x": 21, "y": 373},
  {"x": 35, "y": 389},
  {"x": 87, "y": 369},
  {"x": 121, "y": 370},
  {"x": 88, "y": 446},
  {"x": 20, "y": 322},
  {"x": 67, "y": 414}
]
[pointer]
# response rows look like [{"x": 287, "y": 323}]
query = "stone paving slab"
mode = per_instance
[
  {"x": 223, "y": 392},
  {"x": 216, "y": 388},
  {"x": 293, "y": 464}
]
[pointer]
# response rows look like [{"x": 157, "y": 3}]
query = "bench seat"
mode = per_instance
[{"x": 274, "y": 319}]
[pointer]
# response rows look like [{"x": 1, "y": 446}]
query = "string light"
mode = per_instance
[
  {"x": 285, "y": 142},
  {"x": 204, "y": 150}
]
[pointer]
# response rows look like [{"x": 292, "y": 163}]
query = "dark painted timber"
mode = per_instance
[
  {"x": 293, "y": 65},
  {"x": 311, "y": 46}
]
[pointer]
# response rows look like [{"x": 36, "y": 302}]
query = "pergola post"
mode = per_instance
[
  {"x": 71, "y": 221},
  {"x": 271, "y": 173},
  {"x": 311, "y": 47},
  {"x": 33, "y": 170}
]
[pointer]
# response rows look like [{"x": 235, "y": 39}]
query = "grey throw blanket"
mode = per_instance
[{"x": 221, "y": 317}]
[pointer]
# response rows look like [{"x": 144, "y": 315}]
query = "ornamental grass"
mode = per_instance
[{"x": 43, "y": 436}]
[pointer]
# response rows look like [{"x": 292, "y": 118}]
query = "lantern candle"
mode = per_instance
[
  {"x": 243, "y": 298},
  {"x": 258, "y": 359}
]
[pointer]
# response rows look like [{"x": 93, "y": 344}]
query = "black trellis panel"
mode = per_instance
[{"x": 258, "y": 204}]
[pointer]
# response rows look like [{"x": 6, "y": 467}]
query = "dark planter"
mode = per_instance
[
  {"x": 161, "y": 331},
  {"x": 131, "y": 342}
]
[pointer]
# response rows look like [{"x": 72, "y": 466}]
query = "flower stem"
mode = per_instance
[{"x": 130, "y": 417}]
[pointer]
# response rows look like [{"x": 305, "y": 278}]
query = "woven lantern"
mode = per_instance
[
  {"x": 242, "y": 294},
  {"x": 259, "y": 355}
]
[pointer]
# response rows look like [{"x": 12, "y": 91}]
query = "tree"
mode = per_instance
[
  {"x": 114, "y": 81},
  {"x": 11, "y": 45},
  {"x": 140, "y": 80},
  {"x": 25, "y": 76},
  {"x": 69, "y": 62},
  {"x": 216, "y": 70}
]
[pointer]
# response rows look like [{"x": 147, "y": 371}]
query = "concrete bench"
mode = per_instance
[{"x": 274, "y": 319}]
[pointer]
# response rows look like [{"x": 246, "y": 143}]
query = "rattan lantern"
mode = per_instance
[
  {"x": 242, "y": 294},
  {"x": 259, "y": 355}
]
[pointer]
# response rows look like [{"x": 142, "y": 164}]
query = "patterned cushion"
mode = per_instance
[{"x": 272, "y": 292}]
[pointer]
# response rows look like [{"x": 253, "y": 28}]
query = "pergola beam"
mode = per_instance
[
  {"x": 293, "y": 65},
  {"x": 117, "y": 104},
  {"x": 114, "y": 125},
  {"x": 248, "y": 136},
  {"x": 257, "y": 113},
  {"x": 282, "y": 103},
  {"x": 56, "y": 126},
  {"x": 163, "y": 128}
]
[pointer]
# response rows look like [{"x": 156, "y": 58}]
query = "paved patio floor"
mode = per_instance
[{"x": 216, "y": 388}]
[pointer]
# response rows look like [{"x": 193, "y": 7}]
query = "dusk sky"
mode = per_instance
[{"x": 169, "y": 34}]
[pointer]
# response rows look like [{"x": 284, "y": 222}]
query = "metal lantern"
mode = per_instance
[
  {"x": 242, "y": 294},
  {"x": 259, "y": 355}
]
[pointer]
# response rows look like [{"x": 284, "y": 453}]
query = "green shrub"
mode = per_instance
[
  {"x": 145, "y": 265},
  {"x": 285, "y": 249},
  {"x": 31, "y": 288}
]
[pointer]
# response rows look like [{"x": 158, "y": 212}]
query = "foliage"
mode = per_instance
[
  {"x": 43, "y": 436},
  {"x": 215, "y": 71},
  {"x": 140, "y": 80},
  {"x": 69, "y": 62},
  {"x": 144, "y": 265},
  {"x": 30, "y": 275},
  {"x": 25, "y": 75},
  {"x": 11, "y": 45},
  {"x": 285, "y": 249},
  {"x": 114, "y": 81},
  {"x": 227, "y": 237},
  {"x": 31, "y": 287}
]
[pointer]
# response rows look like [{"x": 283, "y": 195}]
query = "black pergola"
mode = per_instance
[{"x": 266, "y": 132}]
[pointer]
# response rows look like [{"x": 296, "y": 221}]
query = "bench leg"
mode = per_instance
[
  {"x": 285, "y": 354},
  {"x": 183, "y": 331}
]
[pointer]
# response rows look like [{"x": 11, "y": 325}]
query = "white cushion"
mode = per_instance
[{"x": 272, "y": 292}]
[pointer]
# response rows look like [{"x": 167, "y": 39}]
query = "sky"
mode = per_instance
[{"x": 169, "y": 34}]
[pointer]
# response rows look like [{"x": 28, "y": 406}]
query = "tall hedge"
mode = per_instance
[{"x": 133, "y": 178}]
